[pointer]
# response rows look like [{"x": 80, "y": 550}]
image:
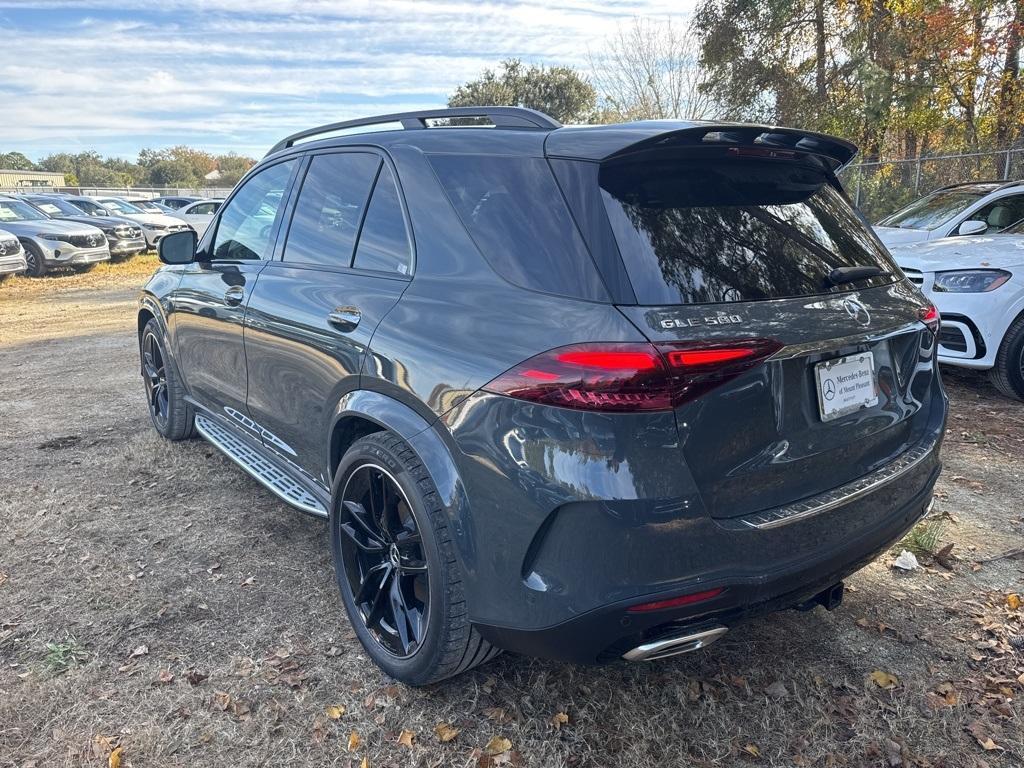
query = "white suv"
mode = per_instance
[
  {"x": 977, "y": 284},
  {"x": 973, "y": 208}
]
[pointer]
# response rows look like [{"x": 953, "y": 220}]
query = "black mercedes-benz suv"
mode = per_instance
[{"x": 586, "y": 393}]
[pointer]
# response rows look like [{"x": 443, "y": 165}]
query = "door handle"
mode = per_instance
[
  {"x": 344, "y": 318},
  {"x": 234, "y": 295}
]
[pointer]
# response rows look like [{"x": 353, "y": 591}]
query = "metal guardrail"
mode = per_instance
[{"x": 129, "y": 193}]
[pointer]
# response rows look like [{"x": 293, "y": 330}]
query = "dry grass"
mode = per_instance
[{"x": 206, "y": 627}]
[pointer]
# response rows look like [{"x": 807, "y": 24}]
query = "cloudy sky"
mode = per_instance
[{"x": 236, "y": 75}]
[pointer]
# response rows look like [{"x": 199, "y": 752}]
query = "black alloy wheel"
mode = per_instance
[
  {"x": 385, "y": 564},
  {"x": 154, "y": 374}
]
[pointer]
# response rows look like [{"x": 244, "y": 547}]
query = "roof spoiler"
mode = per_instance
[{"x": 632, "y": 138}]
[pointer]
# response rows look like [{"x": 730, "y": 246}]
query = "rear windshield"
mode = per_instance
[{"x": 693, "y": 232}]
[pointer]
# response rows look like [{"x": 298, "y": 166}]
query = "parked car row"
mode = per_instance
[
  {"x": 43, "y": 231},
  {"x": 963, "y": 246}
]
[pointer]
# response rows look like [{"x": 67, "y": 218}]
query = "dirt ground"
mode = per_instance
[{"x": 159, "y": 608}]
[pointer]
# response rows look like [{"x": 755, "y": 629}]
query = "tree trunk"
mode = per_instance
[
  {"x": 820, "y": 52},
  {"x": 1008, "y": 106}
]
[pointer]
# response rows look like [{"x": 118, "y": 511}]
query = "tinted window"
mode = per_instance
[
  {"x": 515, "y": 213},
  {"x": 383, "y": 241},
  {"x": 247, "y": 222},
  {"x": 694, "y": 232},
  {"x": 329, "y": 209}
]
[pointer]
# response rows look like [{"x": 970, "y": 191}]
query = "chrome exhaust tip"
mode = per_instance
[{"x": 672, "y": 646}]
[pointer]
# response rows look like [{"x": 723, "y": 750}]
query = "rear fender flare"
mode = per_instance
[{"x": 432, "y": 450}]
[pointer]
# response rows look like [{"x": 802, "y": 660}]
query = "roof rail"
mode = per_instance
[{"x": 501, "y": 117}]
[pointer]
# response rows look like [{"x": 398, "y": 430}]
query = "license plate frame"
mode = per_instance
[{"x": 845, "y": 385}]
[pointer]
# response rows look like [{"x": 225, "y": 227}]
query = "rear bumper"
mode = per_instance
[{"x": 605, "y": 634}]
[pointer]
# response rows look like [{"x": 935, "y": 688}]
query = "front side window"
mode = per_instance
[
  {"x": 999, "y": 214},
  {"x": 89, "y": 207},
  {"x": 383, "y": 240},
  {"x": 693, "y": 232},
  {"x": 330, "y": 208},
  {"x": 247, "y": 221}
]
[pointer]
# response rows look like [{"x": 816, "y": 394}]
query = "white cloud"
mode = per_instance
[{"x": 241, "y": 73}]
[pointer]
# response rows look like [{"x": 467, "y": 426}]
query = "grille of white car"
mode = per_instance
[{"x": 914, "y": 276}]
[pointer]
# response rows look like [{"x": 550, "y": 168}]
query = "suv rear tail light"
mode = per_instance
[
  {"x": 629, "y": 377},
  {"x": 930, "y": 316},
  {"x": 676, "y": 602}
]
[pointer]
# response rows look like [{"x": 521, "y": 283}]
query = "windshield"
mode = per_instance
[
  {"x": 120, "y": 206},
  {"x": 147, "y": 206},
  {"x": 934, "y": 210},
  {"x": 691, "y": 232},
  {"x": 16, "y": 210},
  {"x": 89, "y": 207},
  {"x": 55, "y": 206}
]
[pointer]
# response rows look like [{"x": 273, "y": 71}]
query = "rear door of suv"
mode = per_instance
[
  {"x": 344, "y": 260},
  {"x": 795, "y": 382}
]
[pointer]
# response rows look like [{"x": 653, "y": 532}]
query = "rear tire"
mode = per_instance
[
  {"x": 172, "y": 416},
  {"x": 1008, "y": 373},
  {"x": 448, "y": 644},
  {"x": 34, "y": 258}
]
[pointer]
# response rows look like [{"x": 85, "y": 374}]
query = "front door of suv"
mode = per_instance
[
  {"x": 210, "y": 301},
  {"x": 345, "y": 261}
]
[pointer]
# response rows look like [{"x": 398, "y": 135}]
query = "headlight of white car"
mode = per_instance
[{"x": 970, "y": 280}]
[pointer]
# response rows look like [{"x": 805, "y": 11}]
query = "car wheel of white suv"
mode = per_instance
[{"x": 1008, "y": 373}]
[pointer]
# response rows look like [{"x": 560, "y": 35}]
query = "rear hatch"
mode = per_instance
[{"x": 722, "y": 247}]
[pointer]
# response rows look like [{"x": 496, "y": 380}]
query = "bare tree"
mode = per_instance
[{"x": 650, "y": 70}]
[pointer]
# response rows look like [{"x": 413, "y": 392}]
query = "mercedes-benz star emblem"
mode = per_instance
[
  {"x": 857, "y": 311},
  {"x": 3, "y": 249},
  {"x": 829, "y": 389}
]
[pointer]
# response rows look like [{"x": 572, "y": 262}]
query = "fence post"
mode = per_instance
[
  {"x": 856, "y": 196},
  {"x": 1006, "y": 167},
  {"x": 917, "y": 177}
]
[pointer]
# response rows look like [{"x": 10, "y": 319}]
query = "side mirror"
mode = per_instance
[
  {"x": 178, "y": 247},
  {"x": 972, "y": 227}
]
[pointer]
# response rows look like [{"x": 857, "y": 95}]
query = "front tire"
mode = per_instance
[
  {"x": 172, "y": 416},
  {"x": 34, "y": 260},
  {"x": 395, "y": 564},
  {"x": 1008, "y": 374}
]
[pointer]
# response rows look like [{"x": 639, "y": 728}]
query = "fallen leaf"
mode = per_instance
[
  {"x": 497, "y": 745},
  {"x": 947, "y": 692},
  {"x": 141, "y": 650},
  {"x": 335, "y": 712},
  {"x": 114, "y": 761},
  {"x": 445, "y": 732},
  {"x": 981, "y": 735},
  {"x": 405, "y": 738},
  {"x": 559, "y": 719},
  {"x": 221, "y": 700},
  {"x": 1013, "y": 601},
  {"x": 752, "y": 750},
  {"x": 497, "y": 714},
  {"x": 884, "y": 679},
  {"x": 365, "y": 762},
  {"x": 249, "y": 581},
  {"x": 777, "y": 690},
  {"x": 195, "y": 677},
  {"x": 353, "y": 741},
  {"x": 165, "y": 677},
  {"x": 240, "y": 709}
]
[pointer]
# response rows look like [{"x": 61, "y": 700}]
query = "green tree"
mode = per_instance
[
  {"x": 15, "y": 161},
  {"x": 561, "y": 92},
  {"x": 232, "y": 167}
]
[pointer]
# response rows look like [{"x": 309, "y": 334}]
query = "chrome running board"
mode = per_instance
[
  {"x": 269, "y": 473},
  {"x": 672, "y": 646}
]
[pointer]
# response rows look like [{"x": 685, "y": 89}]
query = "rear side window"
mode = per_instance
[
  {"x": 329, "y": 209},
  {"x": 695, "y": 232},
  {"x": 515, "y": 213},
  {"x": 383, "y": 240}
]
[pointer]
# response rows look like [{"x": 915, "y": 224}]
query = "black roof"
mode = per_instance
[{"x": 516, "y": 130}]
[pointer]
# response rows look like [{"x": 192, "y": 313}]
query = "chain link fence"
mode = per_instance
[{"x": 880, "y": 188}]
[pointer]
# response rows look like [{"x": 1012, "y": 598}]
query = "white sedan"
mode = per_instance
[
  {"x": 977, "y": 284},
  {"x": 199, "y": 214}
]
